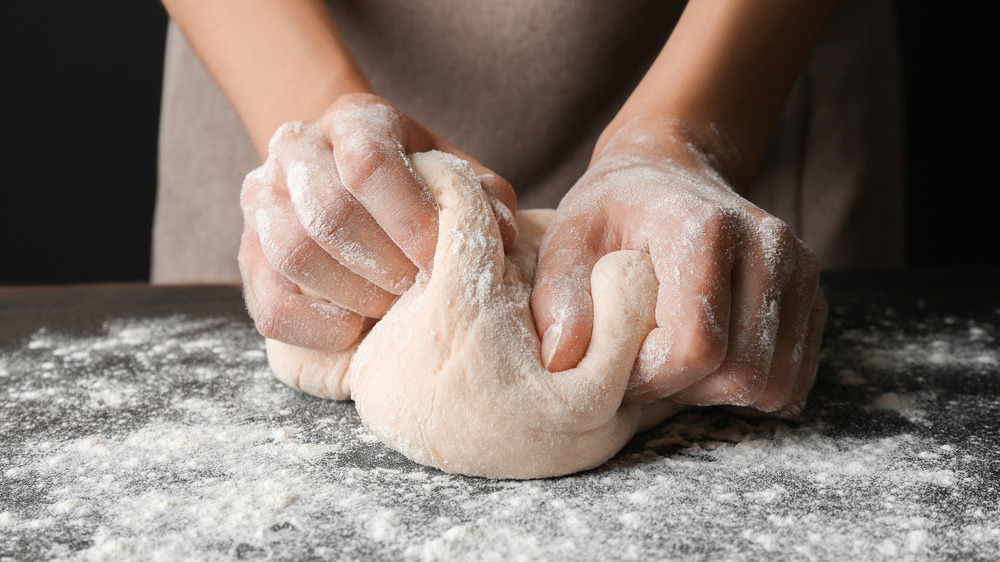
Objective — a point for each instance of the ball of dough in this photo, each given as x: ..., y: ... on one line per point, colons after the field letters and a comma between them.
x: 452, y: 376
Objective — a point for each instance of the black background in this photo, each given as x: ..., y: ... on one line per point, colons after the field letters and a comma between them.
x: 80, y: 106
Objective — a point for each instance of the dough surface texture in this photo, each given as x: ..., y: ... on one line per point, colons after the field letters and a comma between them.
x: 452, y: 376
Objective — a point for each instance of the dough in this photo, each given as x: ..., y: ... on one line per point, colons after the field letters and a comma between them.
x: 451, y: 377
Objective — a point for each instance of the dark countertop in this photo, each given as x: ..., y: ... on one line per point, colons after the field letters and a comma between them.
x: 141, y: 422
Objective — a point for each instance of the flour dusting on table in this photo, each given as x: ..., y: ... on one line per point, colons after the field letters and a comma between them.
x: 169, y: 439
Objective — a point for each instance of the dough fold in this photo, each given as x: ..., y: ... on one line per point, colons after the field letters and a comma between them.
x: 452, y: 377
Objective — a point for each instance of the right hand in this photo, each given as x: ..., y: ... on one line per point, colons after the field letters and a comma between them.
x: 337, y: 224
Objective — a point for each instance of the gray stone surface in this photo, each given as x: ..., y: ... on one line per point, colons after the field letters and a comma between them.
x: 142, y: 423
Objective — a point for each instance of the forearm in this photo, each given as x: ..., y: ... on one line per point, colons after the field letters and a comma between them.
x: 275, y: 61
x: 723, y: 75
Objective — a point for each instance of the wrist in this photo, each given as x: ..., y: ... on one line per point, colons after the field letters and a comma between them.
x: 721, y: 78
x: 315, y: 100
x: 689, y: 143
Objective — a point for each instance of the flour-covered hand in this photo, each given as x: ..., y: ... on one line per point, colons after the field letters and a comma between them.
x: 337, y: 223
x: 739, y: 312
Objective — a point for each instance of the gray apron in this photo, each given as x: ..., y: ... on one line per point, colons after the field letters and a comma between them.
x: 527, y: 87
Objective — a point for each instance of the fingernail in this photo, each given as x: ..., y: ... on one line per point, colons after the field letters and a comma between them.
x: 797, y: 407
x: 550, y: 342
x: 790, y: 410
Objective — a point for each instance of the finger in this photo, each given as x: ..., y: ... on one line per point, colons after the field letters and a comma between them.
x: 806, y: 376
x: 692, y: 317
x: 797, y: 302
x: 280, y: 312
x: 505, y: 222
x: 294, y: 254
x: 560, y: 301
x: 368, y: 147
x: 330, y: 215
x: 765, y: 267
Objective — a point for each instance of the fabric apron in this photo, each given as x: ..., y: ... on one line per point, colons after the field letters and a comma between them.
x: 527, y: 87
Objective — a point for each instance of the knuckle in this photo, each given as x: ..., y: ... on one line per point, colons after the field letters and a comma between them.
x: 715, y: 222
x: 756, y: 215
x: 745, y: 385
x: 253, y: 184
x: 702, y: 348
x: 288, y: 134
x: 361, y: 160
x: 288, y: 251
x: 366, y: 132
x: 291, y: 260
x: 332, y: 215
x: 303, y: 179
x: 776, y: 236
x: 356, y: 114
x: 777, y: 252
x: 778, y: 227
x: 347, y: 102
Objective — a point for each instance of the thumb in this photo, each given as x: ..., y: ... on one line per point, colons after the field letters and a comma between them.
x: 561, y: 302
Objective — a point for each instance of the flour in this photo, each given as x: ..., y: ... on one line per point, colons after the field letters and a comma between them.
x: 169, y: 439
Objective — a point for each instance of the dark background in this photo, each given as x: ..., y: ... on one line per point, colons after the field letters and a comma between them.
x: 80, y: 105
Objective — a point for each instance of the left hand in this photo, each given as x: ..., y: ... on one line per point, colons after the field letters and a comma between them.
x: 739, y: 311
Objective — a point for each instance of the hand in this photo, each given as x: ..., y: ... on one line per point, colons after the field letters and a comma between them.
x: 336, y: 222
x: 739, y: 313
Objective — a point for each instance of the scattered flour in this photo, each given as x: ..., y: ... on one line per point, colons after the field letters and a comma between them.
x: 169, y: 439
